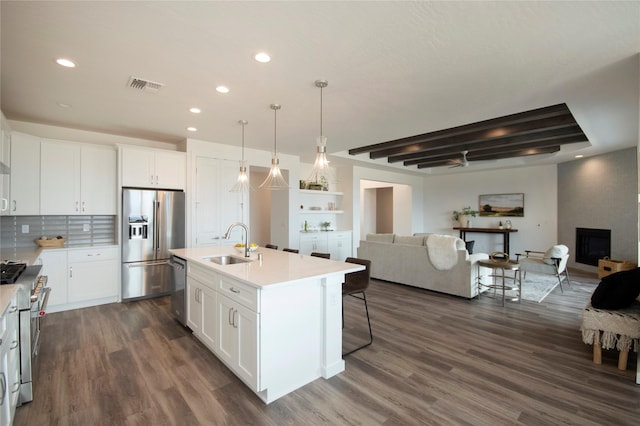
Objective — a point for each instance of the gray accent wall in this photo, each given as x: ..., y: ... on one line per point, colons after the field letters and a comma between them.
x: 600, y: 192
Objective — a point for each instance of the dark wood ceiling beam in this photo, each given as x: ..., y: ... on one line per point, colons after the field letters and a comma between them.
x: 493, y: 147
x: 521, y: 153
x: 509, y: 120
x: 528, y: 128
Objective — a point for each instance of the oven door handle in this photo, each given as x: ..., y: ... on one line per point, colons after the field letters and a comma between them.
x: 43, y: 307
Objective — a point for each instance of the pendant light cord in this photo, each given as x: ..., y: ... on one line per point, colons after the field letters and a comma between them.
x: 321, y: 110
x: 275, y: 130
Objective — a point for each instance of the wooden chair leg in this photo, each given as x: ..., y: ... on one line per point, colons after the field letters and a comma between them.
x: 622, y: 360
x: 597, y: 353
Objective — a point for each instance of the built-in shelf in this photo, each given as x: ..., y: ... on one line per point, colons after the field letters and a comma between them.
x: 321, y: 211
x: 315, y: 192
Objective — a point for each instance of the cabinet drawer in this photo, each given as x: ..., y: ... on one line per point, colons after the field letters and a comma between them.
x: 93, y: 254
x: 205, y: 276
x: 240, y: 292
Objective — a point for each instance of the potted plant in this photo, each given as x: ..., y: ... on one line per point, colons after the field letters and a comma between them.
x: 462, y: 216
x: 325, y: 225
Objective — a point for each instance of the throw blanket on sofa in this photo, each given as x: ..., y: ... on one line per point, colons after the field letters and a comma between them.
x: 442, y: 251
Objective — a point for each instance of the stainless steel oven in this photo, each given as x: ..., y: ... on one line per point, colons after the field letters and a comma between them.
x: 32, y: 303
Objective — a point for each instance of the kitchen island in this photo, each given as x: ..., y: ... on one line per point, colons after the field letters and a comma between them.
x: 276, y: 322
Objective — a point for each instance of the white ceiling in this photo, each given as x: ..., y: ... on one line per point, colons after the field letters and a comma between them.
x: 395, y: 69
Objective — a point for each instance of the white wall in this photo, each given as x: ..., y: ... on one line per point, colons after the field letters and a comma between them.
x: 537, y: 230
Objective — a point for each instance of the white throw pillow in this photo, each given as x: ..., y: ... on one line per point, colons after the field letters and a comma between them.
x: 556, y: 251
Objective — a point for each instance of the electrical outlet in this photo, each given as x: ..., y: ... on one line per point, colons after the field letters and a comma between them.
x: 86, y: 227
x: 25, y: 229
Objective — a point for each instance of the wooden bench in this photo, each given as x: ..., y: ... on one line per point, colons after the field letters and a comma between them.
x: 613, y: 329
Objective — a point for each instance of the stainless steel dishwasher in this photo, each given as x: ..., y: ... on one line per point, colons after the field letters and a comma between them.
x: 178, y: 281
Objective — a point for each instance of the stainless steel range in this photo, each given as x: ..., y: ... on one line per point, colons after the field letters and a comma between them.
x: 32, y: 303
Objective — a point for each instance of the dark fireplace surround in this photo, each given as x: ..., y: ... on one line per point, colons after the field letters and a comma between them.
x: 592, y: 244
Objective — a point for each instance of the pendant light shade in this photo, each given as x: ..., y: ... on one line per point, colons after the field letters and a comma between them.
x: 242, y: 184
x: 274, y: 179
x: 320, y: 173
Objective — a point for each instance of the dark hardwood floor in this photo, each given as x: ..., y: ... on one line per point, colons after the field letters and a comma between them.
x: 436, y: 359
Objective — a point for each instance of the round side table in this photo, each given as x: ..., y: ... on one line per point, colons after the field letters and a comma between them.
x: 501, y: 282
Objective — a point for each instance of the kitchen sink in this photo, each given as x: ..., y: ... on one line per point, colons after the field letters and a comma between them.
x: 228, y: 260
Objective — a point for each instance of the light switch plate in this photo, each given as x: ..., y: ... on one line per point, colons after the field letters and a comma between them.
x: 25, y: 229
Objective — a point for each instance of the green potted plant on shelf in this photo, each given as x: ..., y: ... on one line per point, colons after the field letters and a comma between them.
x: 463, y: 215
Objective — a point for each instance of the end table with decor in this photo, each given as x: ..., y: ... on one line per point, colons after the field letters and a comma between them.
x: 499, y: 263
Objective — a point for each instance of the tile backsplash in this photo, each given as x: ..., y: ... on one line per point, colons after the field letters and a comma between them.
x: 22, y: 231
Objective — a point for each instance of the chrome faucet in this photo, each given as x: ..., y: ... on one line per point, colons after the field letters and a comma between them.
x: 246, y: 236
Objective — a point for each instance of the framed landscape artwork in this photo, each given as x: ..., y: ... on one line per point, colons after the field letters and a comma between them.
x: 501, y: 205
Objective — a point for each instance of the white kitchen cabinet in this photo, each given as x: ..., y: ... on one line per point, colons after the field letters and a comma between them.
x: 201, y: 312
x: 9, y: 362
x: 238, y: 341
x: 92, y: 274
x: 54, y: 266
x: 313, y: 241
x: 77, y: 179
x: 25, y: 175
x: 339, y: 244
x: 5, y: 157
x: 80, y: 277
x: 153, y: 168
x: 216, y: 207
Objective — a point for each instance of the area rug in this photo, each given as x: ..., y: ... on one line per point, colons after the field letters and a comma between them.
x: 535, y: 287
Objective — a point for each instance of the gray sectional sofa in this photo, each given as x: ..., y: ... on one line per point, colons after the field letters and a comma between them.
x: 433, y: 262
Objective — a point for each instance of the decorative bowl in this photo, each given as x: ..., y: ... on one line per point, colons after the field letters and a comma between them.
x: 240, y: 249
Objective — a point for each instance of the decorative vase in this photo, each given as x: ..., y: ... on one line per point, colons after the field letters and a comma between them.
x: 507, y: 224
x: 464, y: 220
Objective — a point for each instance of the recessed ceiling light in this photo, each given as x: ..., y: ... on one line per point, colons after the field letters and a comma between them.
x: 262, y: 57
x: 579, y: 156
x: 63, y: 105
x: 192, y: 129
x: 195, y: 110
x: 65, y: 62
x: 222, y: 89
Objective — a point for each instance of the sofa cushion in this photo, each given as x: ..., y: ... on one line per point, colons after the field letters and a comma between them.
x: 380, y: 238
x: 557, y: 251
x: 404, y: 239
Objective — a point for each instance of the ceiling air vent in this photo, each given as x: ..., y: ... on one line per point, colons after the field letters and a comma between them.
x: 144, y: 85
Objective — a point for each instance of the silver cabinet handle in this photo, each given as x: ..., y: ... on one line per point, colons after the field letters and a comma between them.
x: 17, y: 387
x: 14, y: 345
x: 235, y: 315
x: 233, y: 290
x: 3, y: 386
x: 70, y: 271
x: 13, y: 309
x: 229, y: 316
x: 15, y: 205
x: 5, y: 205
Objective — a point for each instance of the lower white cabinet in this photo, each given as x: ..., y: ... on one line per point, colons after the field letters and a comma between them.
x: 80, y: 277
x: 201, y: 312
x: 9, y: 362
x: 336, y: 243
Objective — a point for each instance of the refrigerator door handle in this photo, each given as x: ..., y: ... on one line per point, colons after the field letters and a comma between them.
x: 156, y: 231
x: 144, y: 264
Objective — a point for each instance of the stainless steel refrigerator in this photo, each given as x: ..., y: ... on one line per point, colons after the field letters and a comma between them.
x: 152, y: 223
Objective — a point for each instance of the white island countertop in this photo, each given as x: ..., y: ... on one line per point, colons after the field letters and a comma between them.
x: 276, y: 267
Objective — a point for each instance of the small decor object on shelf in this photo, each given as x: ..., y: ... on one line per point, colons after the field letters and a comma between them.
x: 51, y: 242
x: 500, y: 225
x: 324, y: 182
x: 315, y: 186
x: 325, y: 226
x: 303, y: 184
x: 507, y: 224
x: 463, y: 216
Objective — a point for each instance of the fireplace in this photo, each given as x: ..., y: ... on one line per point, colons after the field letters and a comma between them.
x: 592, y: 244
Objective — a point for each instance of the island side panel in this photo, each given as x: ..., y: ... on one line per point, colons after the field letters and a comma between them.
x: 332, y: 338
x: 291, y: 323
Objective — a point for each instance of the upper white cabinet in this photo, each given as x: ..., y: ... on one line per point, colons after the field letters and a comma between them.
x: 25, y: 175
x: 5, y: 157
x: 77, y: 179
x: 216, y: 207
x: 153, y: 168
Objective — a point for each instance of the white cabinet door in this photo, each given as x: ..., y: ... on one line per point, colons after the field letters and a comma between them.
x: 5, y: 157
x: 25, y: 174
x: 209, y: 318
x: 92, y: 274
x: 339, y: 245
x: 238, y: 339
x: 98, y: 180
x: 9, y: 362
x: 60, y: 178
x: 170, y: 169
x: 215, y: 206
x: 54, y: 266
x: 150, y: 168
x: 313, y: 242
x: 194, y: 305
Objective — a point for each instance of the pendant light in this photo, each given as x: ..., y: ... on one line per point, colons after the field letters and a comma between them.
x: 242, y: 184
x: 320, y: 171
x: 274, y: 179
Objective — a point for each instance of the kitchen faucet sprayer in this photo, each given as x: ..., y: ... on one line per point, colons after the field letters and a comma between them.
x: 246, y: 236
